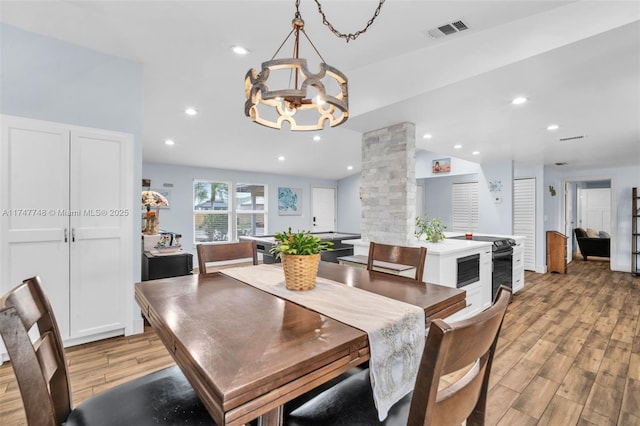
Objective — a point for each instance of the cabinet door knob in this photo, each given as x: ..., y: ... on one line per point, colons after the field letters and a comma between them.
x: 73, y: 235
x: 66, y: 236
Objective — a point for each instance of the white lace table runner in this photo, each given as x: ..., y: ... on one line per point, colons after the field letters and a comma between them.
x: 395, y: 329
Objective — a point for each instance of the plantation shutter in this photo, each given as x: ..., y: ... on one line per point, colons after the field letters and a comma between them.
x: 464, y: 207
x: 524, y: 218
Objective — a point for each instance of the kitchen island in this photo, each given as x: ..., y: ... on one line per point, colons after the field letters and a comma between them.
x: 461, y: 263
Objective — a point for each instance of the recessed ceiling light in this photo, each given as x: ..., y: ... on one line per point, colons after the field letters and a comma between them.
x: 476, y: 152
x: 457, y: 146
x: 281, y: 158
x: 427, y: 136
x: 349, y: 167
x: 519, y: 100
x: 316, y: 138
x: 191, y: 111
x: 239, y: 50
x: 553, y: 127
x: 169, y: 142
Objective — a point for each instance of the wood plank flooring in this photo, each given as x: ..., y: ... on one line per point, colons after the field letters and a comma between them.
x: 569, y: 354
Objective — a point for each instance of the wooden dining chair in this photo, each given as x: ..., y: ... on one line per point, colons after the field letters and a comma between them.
x: 40, y: 367
x: 466, y: 347
x: 224, y: 252
x: 399, y: 255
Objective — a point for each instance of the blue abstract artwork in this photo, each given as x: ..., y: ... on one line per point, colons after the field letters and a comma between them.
x: 289, y: 201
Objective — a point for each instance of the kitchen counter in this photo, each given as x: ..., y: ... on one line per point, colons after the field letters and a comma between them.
x: 441, y: 248
x: 441, y: 267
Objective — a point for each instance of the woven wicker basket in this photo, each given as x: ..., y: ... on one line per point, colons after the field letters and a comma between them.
x: 300, y: 271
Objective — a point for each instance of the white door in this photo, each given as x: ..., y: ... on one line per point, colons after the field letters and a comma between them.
x: 34, y: 229
x: 524, y: 218
x: 100, y: 232
x: 594, y: 209
x: 323, y: 209
x: 569, y: 223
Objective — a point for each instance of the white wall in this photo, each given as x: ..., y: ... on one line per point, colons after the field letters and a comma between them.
x: 424, y: 163
x: 48, y: 79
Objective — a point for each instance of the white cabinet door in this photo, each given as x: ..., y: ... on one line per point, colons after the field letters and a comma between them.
x: 101, y: 231
x: 65, y: 214
x: 34, y: 200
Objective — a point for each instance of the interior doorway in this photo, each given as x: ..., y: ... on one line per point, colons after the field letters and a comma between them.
x: 588, y: 203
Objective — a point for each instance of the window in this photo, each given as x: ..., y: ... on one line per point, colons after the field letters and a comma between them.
x: 250, y: 209
x: 217, y: 217
x: 211, y: 211
x: 464, y: 207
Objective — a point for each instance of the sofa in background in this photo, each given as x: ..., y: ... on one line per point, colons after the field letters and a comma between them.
x: 593, y: 243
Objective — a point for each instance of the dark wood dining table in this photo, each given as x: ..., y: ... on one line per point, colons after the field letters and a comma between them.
x: 247, y: 352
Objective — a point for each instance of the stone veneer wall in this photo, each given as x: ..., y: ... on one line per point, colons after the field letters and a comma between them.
x: 389, y: 184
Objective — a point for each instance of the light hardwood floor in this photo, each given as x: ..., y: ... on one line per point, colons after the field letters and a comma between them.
x: 569, y: 354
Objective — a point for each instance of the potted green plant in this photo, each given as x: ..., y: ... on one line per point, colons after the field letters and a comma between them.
x: 433, y: 229
x: 300, y: 254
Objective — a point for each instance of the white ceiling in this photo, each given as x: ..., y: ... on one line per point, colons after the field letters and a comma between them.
x: 577, y: 62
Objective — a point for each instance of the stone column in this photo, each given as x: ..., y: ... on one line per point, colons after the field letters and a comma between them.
x: 389, y: 184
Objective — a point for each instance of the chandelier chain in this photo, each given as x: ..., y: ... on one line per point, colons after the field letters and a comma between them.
x: 350, y: 36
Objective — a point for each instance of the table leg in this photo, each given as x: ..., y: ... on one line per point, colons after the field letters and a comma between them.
x: 274, y: 417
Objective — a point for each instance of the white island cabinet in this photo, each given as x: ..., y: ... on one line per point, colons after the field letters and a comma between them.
x: 441, y: 267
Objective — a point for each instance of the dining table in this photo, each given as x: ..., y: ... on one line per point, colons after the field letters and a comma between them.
x: 247, y: 352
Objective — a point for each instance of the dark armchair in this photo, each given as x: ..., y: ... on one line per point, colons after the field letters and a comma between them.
x: 592, y: 246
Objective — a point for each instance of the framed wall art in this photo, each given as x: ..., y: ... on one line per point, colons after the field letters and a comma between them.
x: 289, y: 201
x: 441, y: 165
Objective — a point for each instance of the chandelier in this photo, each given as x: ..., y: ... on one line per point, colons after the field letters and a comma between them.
x: 309, y: 101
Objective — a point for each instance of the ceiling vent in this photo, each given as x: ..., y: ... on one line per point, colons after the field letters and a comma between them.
x: 572, y: 138
x: 447, y: 29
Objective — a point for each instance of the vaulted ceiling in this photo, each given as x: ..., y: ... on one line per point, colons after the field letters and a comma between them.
x: 577, y: 62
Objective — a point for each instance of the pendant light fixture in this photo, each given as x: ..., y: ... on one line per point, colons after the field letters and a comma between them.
x: 309, y: 101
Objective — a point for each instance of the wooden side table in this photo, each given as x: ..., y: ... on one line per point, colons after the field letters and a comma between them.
x: 556, y: 252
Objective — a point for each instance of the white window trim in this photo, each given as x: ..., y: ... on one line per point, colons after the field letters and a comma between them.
x: 264, y: 211
x: 232, y: 212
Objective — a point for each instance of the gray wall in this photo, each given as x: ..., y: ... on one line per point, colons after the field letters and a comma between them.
x: 48, y: 79
x: 622, y: 180
x: 179, y: 216
x: 349, y: 204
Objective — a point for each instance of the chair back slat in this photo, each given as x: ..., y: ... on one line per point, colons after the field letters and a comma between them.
x: 468, y: 344
x: 28, y: 305
x: 47, y: 355
x: 225, y: 252
x: 400, y: 255
x: 39, y: 366
x: 472, y: 340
